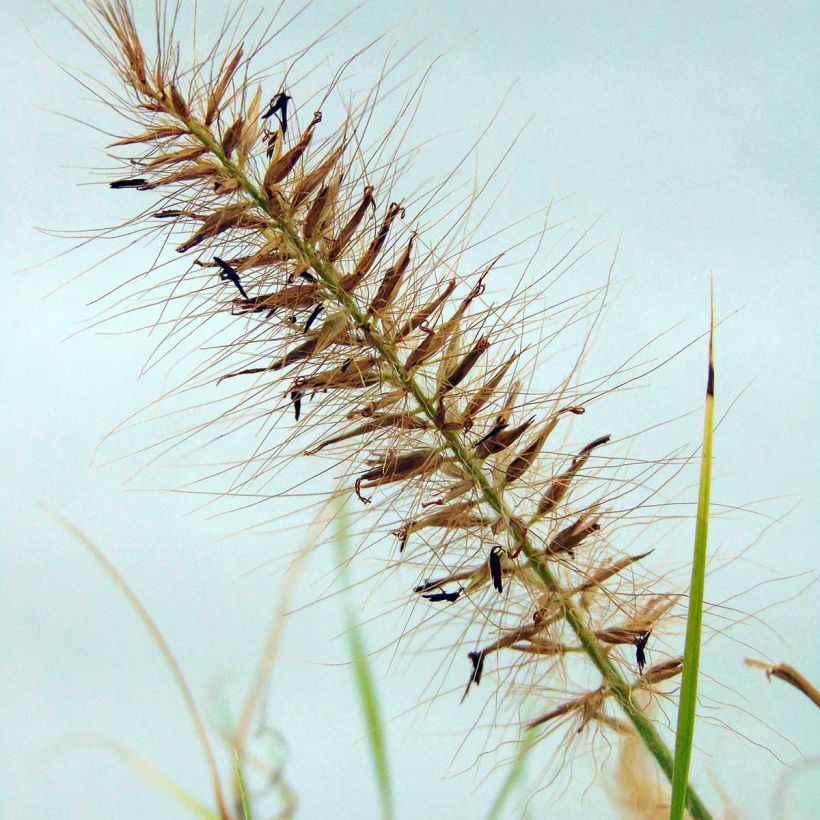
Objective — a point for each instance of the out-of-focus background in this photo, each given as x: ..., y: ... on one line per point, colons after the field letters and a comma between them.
x: 691, y: 129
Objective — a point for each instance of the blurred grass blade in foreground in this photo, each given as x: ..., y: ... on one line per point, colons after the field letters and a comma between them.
x: 365, y: 686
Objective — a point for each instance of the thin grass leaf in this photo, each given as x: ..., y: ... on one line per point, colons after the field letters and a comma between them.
x: 240, y: 782
x: 691, y: 658
x: 157, y: 779
x: 514, y: 774
x: 165, y: 650
x: 368, y: 696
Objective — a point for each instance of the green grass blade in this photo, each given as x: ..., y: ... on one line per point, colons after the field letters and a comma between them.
x: 514, y: 774
x: 240, y: 781
x: 366, y: 688
x: 689, y: 683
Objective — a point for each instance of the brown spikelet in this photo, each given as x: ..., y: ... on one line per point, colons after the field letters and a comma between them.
x: 607, y: 572
x: 391, y: 282
x: 231, y: 138
x: 290, y: 296
x: 559, y: 487
x: 339, y: 244
x: 353, y: 375
x: 455, y: 516
x: 280, y: 167
x: 311, y: 180
x: 486, y: 392
x: 199, y: 171
x: 367, y: 260
x: 399, y: 467
x: 183, y: 155
x: 788, y: 674
x: 178, y: 102
x: 420, y: 318
x: 377, y: 422
x: 225, y: 76
x: 320, y: 209
x: 234, y: 216
x: 152, y: 135
x: 460, y: 371
x: 524, y: 460
x: 499, y: 438
x: 663, y: 671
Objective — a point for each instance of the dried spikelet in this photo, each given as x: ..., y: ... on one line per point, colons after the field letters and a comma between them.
x: 311, y: 180
x: 513, y: 636
x: 663, y: 671
x: 183, y: 155
x: 391, y: 282
x: 321, y: 208
x: 567, y: 539
x: 291, y: 297
x: 226, y: 185
x: 401, y: 421
x: 559, y: 487
x: 486, y: 392
x: 340, y: 243
x: 353, y: 375
x: 462, y: 369
x: 607, y: 572
x: 399, y: 467
x: 455, y: 517
x: 499, y: 438
x: 524, y: 460
x: 231, y: 138
x: 225, y: 76
x: 197, y: 171
x: 587, y: 705
x: 249, y: 134
x: 788, y: 674
x: 280, y: 167
x: 152, y: 135
x: 420, y: 318
x: 368, y: 259
x: 234, y: 216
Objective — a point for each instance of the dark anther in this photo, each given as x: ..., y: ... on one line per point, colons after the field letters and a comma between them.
x: 230, y: 275
x: 270, y: 142
x: 279, y: 106
x: 427, y: 585
x: 477, y: 659
x: 443, y: 595
x: 640, y: 647
x: 296, y: 398
x: 494, y: 432
x: 127, y: 183
x: 495, y: 567
x: 309, y: 276
x: 312, y: 318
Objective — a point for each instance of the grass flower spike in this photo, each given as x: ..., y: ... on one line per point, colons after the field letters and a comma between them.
x: 359, y: 336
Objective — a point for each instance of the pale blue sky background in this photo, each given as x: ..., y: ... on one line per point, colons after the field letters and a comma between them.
x: 691, y: 127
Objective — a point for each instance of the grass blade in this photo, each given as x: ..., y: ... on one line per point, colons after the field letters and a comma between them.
x: 689, y: 683
x: 155, y: 777
x: 240, y: 782
x: 368, y: 696
x: 161, y: 644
